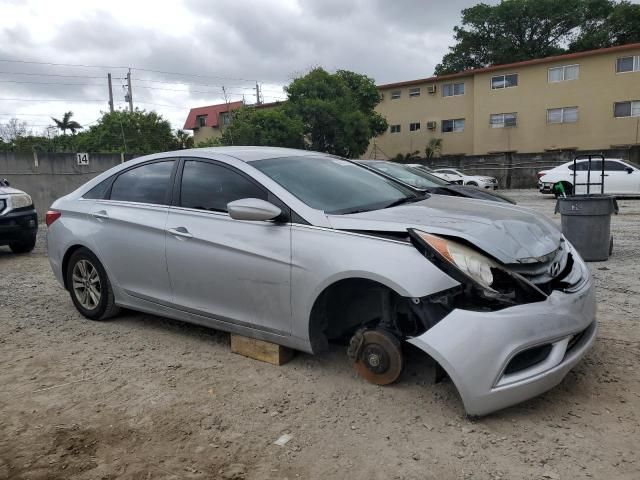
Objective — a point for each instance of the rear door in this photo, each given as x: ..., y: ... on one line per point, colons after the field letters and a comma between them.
x: 232, y: 270
x: 129, y: 229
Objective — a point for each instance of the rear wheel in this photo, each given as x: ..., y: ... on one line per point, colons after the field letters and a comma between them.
x: 472, y: 184
x: 89, y: 286
x: 24, y: 246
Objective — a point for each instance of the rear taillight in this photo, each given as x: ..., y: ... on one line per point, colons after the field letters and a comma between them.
x: 51, y: 217
x: 540, y: 175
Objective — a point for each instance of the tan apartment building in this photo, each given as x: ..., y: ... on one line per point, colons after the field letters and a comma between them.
x: 585, y: 100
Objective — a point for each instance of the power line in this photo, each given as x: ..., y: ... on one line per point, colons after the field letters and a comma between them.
x: 50, y: 83
x: 252, y: 88
x: 190, y: 74
x: 58, y: 64
x: 75, y: 65
x: 50, y: 75
x: 48, y: 100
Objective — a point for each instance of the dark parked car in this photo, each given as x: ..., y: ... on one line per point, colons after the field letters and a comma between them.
x: 18, y: 219
x: 423, y: 180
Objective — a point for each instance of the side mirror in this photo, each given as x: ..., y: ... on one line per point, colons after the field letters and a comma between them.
x: 629, y: 170
x: 252, y: 209
x: 5, y: 181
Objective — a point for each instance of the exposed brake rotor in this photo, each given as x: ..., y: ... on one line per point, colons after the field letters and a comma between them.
x: 377, y: 356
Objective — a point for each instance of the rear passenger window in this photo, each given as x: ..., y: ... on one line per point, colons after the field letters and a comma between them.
x: 207, y: 186
x: 584, y: 166
x: 150, y: 183
x: 614, y: 166
x: 98, y: 191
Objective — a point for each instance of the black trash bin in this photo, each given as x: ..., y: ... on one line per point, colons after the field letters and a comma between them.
x: 586, y: 219
x: 586, y: 222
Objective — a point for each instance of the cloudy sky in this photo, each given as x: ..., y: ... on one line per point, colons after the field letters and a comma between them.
x: 55, y: 55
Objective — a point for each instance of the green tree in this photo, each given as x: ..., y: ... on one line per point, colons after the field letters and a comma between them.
x: 516, y: 30
x: 182, y: 140
x: 273, y: 127
x: 210, y: 142
x: 67, y: 124
x: 336, y: 111
x: 434, y: 148
x: 133, y: 132
x: 406, y: 157
x: 613, y: 24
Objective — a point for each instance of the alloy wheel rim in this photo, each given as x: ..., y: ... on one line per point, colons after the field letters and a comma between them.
x: 86, y: 284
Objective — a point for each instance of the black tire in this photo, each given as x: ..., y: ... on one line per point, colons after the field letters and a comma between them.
x: 25, y: 246
x: 472, y: 184
x: 102, y: 308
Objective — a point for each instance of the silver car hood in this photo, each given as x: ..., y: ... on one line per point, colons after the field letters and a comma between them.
x: 509, y: 233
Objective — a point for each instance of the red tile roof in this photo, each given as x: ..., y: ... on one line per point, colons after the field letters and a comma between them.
x: 535, y: 61
x: 212, y: 112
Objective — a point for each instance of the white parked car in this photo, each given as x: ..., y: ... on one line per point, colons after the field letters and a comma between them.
x: 471, y: 180
x: 620, y: 178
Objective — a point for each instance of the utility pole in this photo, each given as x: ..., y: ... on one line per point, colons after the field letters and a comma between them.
x: 129, y: 95
x: 258, y: 95
x: 110, y: 93
x: 226, y: 100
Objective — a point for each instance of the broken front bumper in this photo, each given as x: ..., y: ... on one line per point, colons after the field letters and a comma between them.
x: 497, y: 359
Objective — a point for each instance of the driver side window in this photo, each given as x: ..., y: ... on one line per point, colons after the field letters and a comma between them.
x: 208, y: 186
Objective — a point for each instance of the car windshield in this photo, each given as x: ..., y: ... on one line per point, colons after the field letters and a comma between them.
x: 413, y: 176
x: 334, y: 185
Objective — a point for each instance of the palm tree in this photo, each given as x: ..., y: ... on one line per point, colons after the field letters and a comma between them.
x: 183, y: 139
x: 406, y: 157
x: 434, y: 147
x: 67, y: 124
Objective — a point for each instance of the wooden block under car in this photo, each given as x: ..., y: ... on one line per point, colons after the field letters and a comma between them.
x: 260, y: 350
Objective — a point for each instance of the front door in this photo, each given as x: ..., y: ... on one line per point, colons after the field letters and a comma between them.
x: 232, y: 270
x: 618, y: 180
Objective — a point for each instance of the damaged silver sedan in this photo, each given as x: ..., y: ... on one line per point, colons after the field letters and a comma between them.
x: 301, y: 249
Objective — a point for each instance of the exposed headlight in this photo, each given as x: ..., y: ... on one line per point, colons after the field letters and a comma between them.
x: 20, y: 200
x: 470, y: 262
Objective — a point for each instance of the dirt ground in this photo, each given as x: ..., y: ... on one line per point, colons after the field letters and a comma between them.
x: 142, y: 397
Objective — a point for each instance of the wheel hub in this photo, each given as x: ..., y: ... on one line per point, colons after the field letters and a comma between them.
x: 377, y: 356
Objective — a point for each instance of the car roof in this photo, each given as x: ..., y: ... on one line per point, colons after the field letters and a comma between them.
x: 250, y: 154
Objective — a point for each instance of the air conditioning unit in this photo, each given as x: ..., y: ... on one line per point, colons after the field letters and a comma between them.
x: 431, y: 89
x: 510, y: 122
x: 431, y: 125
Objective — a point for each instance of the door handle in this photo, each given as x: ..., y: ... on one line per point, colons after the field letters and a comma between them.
x: 180, y: 232
x: 101, y: 215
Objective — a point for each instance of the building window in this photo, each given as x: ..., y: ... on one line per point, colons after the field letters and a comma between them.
x: 414, y: 127
x: 562, y: 115
x: 501, y: 120
x: 395, y: 94
x: 394, y: 128
x: 225, y: 118
x: 455, y: 125
x: 564, y: 73
x: 628, y: 64
x: 504, y: 81
x: 201, y: 120
x: 414, y: 92
x: 626, y: 109
x: 452, y: 89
